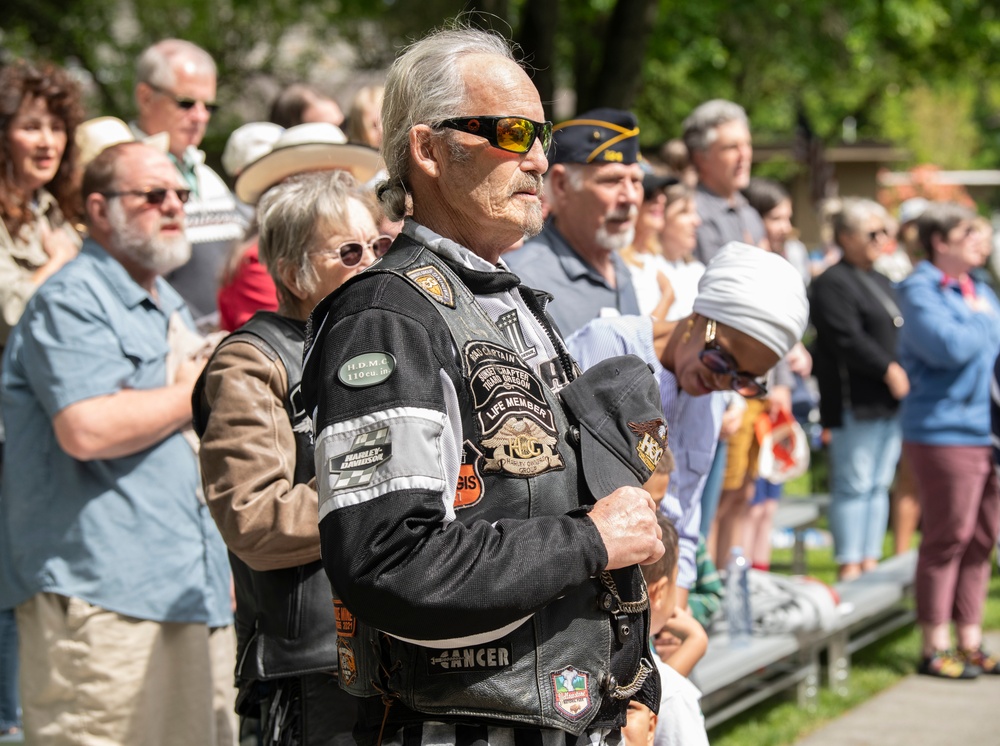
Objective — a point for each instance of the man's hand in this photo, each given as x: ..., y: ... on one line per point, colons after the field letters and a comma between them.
x: 626, y: 520
x: 188, y: 371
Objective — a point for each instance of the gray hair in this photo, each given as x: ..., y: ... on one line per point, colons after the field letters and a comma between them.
x: 940, y: 219
x: 294, y: 215
x: 156, y: 65
x: 853, y: 213
x: 701, y: 124
x: 425, y: 86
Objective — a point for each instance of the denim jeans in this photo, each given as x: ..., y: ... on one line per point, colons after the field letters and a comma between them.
x: 863, y: 457
x: 9, y: 700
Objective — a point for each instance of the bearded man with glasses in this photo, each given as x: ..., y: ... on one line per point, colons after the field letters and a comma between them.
x: 481, y: 514
x: 175, y: 96
x: 117, y: 572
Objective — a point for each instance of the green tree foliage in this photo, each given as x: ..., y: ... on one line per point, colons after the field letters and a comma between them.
x: 789, y: 62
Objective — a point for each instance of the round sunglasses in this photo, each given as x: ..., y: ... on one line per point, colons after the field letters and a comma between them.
x: 722, y: 363
x: 513, y: 134
x: 350, y: 252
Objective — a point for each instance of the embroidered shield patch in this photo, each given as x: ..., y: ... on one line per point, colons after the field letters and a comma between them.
x: 434, y: 284
x: 357, y: 467
x: 569, y: 692
x: 652, y: 441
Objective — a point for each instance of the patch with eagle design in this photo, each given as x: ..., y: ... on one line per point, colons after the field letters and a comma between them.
x: 517, y: 426
x: 652, y: 441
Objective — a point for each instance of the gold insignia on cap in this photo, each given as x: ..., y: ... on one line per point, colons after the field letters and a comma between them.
x: 624, y: 133
x: 432, y: 282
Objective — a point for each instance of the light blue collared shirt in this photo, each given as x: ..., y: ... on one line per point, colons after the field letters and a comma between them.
x: 693, y: 424
x: 127, y: 534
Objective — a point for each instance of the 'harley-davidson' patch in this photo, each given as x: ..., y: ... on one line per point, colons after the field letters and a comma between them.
x: 346, y: 662
x: 652, y: 441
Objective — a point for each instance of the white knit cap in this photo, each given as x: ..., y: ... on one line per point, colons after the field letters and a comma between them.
x: 756, y: 292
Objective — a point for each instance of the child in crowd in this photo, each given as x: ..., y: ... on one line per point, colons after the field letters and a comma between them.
x: 680, y: 721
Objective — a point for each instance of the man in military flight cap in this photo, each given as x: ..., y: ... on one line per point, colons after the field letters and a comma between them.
x: 594, y: 186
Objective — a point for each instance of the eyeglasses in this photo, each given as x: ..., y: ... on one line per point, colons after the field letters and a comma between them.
x: 351, y: 251
x: 513, y: 134
x: 875, y: 235
x: 722, y: 363
x: 185, y: 103
x: 156, y: 196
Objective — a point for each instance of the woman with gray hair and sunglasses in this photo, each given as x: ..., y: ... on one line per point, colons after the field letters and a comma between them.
x: 316, y: 232
x: 860, y: 383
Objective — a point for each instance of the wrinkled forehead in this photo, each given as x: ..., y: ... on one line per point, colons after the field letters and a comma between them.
x: 496, y: 86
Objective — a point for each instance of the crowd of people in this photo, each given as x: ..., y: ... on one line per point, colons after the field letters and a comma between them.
x: 494, y: 386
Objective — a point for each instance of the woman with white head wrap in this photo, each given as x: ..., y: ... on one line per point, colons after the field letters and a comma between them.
x: 750, y: 311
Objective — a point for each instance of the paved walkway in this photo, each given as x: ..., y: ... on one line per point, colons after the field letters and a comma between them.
x: 922, y: 711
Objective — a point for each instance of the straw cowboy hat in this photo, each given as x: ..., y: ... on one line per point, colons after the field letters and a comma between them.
x: 315, y: 146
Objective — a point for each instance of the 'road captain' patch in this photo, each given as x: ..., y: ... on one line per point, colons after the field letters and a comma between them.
x: 357, y: 467
x: 486, y: 658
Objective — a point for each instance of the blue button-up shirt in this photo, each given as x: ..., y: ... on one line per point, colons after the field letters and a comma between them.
x: 546, y: 262
x: 693, y: 424
x: 127, y: 534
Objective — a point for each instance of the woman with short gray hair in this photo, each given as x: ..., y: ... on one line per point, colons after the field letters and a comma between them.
x: 257, y: 463
x: 861, y: 384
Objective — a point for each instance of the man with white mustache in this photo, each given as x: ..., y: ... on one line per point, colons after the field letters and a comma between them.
x: 117, y: 573
x: 594, y: 189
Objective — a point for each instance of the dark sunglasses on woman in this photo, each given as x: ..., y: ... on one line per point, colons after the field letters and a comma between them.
x: 722, y: 363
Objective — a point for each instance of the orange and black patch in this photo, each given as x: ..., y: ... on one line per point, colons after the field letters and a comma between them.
x: 469, y: 490
x: 346, y: 623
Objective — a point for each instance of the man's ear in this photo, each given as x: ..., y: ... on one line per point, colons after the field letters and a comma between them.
x: 96, y: 208
x: 143, y: 94
x: 426, y: 150
x: 658, y: 590
x: 939, y: 243
x: 556, y: 181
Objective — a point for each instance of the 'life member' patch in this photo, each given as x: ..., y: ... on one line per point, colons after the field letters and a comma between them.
x: 469, y: 490
x: 570, y: 694
x: 432, y: 282
x: 516, y: 424
x: 367, y: 369
x: 652, y: 441
x: 356, y: 467
x: 488, y: 658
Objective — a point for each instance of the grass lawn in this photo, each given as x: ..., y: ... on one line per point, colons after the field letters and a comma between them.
x: 779, y: 721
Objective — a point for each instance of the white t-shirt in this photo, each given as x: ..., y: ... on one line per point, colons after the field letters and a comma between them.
x: 680, y: 722
x: 683, y: 276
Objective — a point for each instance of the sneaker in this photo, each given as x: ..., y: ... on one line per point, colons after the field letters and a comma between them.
x: 944, y: 664
x: 980, y: 658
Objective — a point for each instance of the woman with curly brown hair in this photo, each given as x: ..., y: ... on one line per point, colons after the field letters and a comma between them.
x: 39, y: 112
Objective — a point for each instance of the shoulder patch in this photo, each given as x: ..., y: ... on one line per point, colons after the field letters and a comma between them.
x: 368, y: 369
x: 357, y: 466
x: 433, y: 283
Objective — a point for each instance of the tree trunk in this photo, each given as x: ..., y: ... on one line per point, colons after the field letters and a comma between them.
x: 617, y: 81
x: 537, y: 39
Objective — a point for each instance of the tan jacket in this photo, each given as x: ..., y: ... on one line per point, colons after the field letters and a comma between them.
x: 248, y: 463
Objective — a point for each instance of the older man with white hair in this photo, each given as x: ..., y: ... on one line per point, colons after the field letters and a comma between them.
x: 117, y: 572
x: 717, y: 136
x: 175, y: 94
x: 481, y: 518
